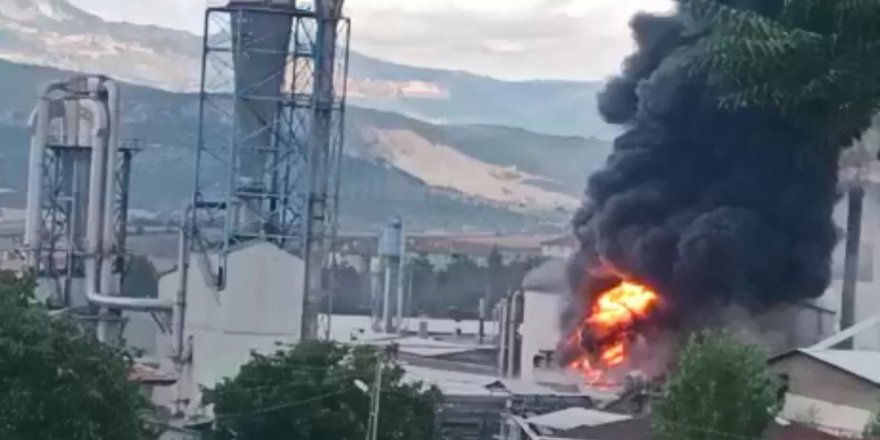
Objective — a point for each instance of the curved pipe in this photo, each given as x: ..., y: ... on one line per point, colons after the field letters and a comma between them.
x: 93, y: 233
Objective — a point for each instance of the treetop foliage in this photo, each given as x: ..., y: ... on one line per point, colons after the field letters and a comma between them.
x: 814, y: 60
x: 310, y: 392
x: 721, y: 387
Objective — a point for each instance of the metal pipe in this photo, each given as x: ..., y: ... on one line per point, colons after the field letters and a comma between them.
x: 399, y: 288
x: 183, y: 280
x: 847, y: 334
x: 512, y: 333
x: 386, y: 297
x: 93, y: 219
x: 851, y: 261
x: 93, y: 242
x: 109, y: 143
x: 328, y: 13
x: 39, y: 123
x: 502, y: 340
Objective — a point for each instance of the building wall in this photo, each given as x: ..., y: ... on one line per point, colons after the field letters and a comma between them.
x: 814, y: 379
x: 540, y: 329
x: 260, y: 310
x: 867, y: 299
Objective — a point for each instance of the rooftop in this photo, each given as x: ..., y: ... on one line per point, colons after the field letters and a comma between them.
x: 571, y: 418
x: 861, y: 363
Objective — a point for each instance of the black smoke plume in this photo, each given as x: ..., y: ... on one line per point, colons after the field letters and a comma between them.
x: 706, y: 205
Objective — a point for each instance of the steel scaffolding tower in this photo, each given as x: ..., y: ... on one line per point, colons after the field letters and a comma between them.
x: 272, y: 103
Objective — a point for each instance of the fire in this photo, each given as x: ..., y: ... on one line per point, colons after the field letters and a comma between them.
x: 605, y: 336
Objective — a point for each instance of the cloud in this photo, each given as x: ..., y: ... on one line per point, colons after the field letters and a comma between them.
x: 514, y: 39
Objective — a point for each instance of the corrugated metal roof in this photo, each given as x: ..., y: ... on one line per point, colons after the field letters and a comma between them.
x: 858, y: 362
x: 571, y: 418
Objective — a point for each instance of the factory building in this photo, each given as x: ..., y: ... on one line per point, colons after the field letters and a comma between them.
x: 259, y: 310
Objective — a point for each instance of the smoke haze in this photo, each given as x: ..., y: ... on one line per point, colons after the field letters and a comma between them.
x: 709, y: 207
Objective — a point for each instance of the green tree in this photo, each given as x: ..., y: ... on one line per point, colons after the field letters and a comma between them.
x: 721, y: 388
x: 56, y: 381
x: 309, y: 392
x: 814, y: 60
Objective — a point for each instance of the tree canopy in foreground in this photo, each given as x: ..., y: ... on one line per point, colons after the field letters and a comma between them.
x: 310, y: 392
x: 57, y: 381
x: 721, y: 389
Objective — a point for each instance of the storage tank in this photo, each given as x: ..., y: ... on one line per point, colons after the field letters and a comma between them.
x: 391, y: 244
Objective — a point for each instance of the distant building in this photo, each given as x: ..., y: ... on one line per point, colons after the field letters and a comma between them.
x: 442, y: 250
x: 562, y: 247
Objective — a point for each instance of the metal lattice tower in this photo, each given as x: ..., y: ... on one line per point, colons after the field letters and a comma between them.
x: 270, y: 130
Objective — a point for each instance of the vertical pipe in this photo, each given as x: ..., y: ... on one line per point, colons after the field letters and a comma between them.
x: 183, y: 278
x: 40, y: 127
x: 109, y: 245
x: 328, y: 12
x: 387, y: 324
x: 502, y: 338
x: 409, y: 289
x: 93, y: 229
x: 399, y: 288
x: 512, y: 333
x: 851, y: 262
x: 482, y: 316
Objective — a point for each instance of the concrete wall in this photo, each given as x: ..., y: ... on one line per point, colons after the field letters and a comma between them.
x: 260, y: 310
x: 811, y: 378
x: 540, y: 329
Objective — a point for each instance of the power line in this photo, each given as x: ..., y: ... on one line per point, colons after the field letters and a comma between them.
x: 273, y: 408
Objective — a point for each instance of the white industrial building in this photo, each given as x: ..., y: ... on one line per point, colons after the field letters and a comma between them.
x: 259, y: 310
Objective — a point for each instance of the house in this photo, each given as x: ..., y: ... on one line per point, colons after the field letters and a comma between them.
x: 836, y: 391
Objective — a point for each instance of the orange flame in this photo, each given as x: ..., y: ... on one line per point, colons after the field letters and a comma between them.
x: 610, y: 327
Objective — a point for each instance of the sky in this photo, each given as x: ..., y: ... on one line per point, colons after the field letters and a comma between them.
x: 509, y: 39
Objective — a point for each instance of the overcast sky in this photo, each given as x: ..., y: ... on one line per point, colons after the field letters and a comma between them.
x: 513, y: 39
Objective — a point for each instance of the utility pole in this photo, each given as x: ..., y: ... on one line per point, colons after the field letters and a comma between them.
x: 373, y: 422
x: 375, y: 397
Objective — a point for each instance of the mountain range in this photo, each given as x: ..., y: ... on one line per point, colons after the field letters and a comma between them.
x: 54, y: 33
x: 460, y: 150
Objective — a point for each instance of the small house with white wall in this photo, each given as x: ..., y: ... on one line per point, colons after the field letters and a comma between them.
x: 835, y: 390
